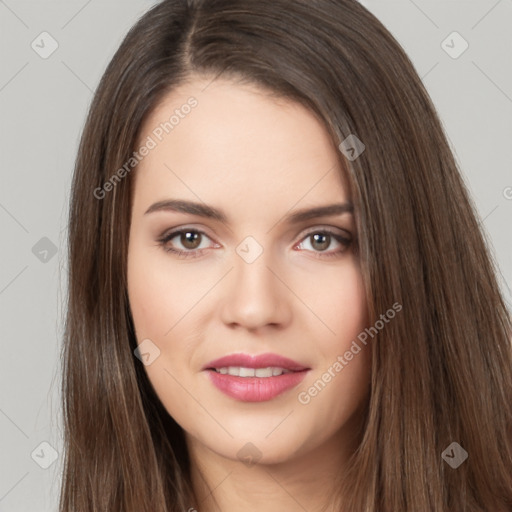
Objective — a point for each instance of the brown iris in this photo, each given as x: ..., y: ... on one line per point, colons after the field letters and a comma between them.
x: 321, y: 240
x: 190, y: 239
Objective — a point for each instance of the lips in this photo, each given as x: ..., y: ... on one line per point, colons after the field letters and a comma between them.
x: 258, y: 361
x: 249, y: 379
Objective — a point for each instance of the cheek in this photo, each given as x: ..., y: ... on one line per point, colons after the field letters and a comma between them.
x: 341, y: 380
x: 162, y: 307
x: 342, y: 308
x: 158, y: 298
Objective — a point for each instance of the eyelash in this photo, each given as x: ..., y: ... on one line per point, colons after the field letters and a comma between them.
x: 195, y: 253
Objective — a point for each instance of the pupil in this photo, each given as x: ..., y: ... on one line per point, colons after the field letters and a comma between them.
x: 189, y: 238
x: 322, y: 245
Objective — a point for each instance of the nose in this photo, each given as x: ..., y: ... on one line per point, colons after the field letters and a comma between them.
x: 255, y: 296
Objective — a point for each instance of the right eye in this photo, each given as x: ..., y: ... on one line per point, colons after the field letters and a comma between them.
x: 190, y: 240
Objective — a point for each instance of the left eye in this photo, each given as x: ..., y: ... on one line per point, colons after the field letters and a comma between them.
x: 321, y: 240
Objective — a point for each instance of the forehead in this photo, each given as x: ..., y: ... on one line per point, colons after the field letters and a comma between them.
x: 221, y: 141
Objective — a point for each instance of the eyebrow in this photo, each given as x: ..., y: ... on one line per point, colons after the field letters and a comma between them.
x: 203, y: 210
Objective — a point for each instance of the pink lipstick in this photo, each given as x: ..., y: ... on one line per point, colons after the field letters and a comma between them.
x: 255, y: 378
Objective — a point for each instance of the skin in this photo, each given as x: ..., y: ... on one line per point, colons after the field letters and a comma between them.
x: 258, y: 159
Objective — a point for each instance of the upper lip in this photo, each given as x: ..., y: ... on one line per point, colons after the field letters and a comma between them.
x: 256, y: 361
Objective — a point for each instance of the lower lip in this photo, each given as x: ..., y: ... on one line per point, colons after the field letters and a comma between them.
x: 255, y: 389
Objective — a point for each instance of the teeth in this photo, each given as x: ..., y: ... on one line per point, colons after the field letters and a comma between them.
x: 244, y: 372
x: 265, y: 372
x: 240, y: 371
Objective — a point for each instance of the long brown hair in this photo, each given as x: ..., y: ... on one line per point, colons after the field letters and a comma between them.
x: 441, y: 371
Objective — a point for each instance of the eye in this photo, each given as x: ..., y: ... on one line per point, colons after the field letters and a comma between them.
x: 321, y: 239
x: 190, y: 239
x: 193, y: 244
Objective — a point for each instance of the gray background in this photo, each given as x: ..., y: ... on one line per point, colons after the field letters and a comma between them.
x: 43, y: 102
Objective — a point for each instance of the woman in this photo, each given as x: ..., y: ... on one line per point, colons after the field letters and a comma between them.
x: 279, y: 293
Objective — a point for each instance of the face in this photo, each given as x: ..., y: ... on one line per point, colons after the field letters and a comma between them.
x: 225, y: 261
